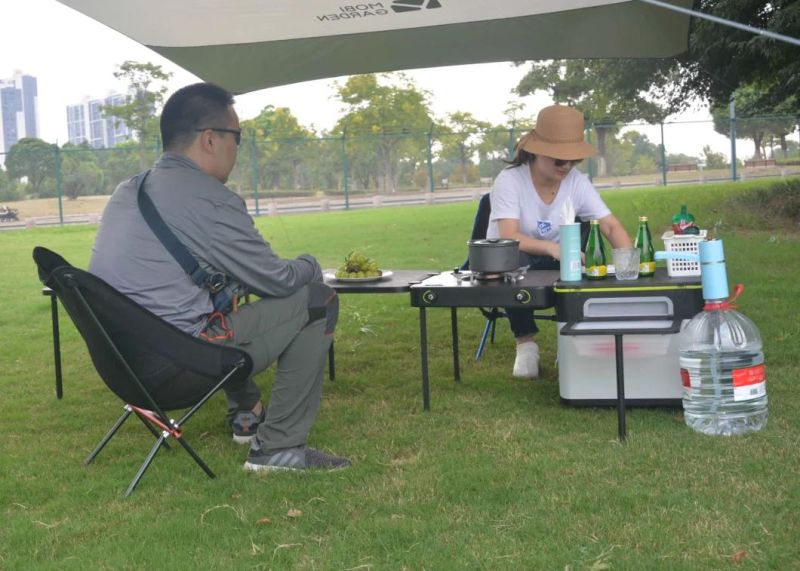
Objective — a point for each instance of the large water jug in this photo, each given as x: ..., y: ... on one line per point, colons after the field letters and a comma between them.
x: 721, y: 357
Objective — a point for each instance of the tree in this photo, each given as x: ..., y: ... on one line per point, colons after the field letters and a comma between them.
x: 714, y: 160
x: 633, y: 153
x: 461, y: 138
x: 753, y: 105
x: 721, y: 58
x: 280, y: 147
x: 604, y: 90
x: 118, y: 164
x: 34, y: 159
x: 81, y: 174
x: 146, y: 91
x: 783, y: 123
x: 9, y: 190
x: 387, y: 122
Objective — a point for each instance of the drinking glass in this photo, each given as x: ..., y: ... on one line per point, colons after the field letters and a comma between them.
x: 626, y: 263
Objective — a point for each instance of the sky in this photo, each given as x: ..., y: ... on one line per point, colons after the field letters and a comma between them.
x: 73, y: 56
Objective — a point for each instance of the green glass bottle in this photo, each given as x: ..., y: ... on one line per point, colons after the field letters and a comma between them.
x: 596, y: 268
x: 647, y: 255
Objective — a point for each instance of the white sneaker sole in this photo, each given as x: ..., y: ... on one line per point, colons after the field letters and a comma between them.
x: 267, y: 468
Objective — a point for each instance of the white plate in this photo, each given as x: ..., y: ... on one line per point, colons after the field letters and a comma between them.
x: 385, y: 274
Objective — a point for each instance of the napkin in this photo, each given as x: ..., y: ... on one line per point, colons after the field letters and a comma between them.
x: 567, y: 212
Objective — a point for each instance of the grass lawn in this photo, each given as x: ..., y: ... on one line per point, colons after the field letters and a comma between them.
x: 499, y: 475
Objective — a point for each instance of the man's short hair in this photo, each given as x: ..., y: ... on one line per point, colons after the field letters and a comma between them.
x: 196, y: 106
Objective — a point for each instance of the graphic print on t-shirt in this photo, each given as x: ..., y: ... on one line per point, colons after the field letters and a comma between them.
x: 544, y: 227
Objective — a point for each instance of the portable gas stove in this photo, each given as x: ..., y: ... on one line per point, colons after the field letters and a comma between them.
x: 519, y: 288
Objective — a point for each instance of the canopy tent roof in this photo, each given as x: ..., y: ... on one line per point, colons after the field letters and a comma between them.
x: 245, y: 45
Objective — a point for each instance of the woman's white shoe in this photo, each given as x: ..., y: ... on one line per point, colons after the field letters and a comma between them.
x: 526, y: 365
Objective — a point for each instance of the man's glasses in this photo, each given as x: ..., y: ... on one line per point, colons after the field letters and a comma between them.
x: 563, y: 162
x: 237, y: 133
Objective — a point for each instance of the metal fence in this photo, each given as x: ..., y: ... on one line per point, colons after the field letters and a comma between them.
x: 355, y: 165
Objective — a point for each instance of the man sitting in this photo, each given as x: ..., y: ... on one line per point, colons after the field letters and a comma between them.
x: 292, y: 323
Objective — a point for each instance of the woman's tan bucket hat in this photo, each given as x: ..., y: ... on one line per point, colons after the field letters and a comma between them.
x: 558, y: 134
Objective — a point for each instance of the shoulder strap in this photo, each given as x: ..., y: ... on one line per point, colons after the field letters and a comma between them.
x: 213, y: 282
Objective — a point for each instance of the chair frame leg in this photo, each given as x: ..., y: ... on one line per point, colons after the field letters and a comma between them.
x: 147, y: 461
x: 108, y: 436
x: 153, y: 430
x: 162, y: 442
x: 489, y: 325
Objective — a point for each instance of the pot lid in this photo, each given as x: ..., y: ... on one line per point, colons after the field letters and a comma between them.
x: 494, y: 242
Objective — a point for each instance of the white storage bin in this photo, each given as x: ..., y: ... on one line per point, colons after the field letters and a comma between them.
x: 688, y: 243
x: 588, y: 375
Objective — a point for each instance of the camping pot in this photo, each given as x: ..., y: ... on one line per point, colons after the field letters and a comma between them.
x: 493, y: 255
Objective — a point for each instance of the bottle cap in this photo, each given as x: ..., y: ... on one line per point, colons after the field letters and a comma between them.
x: 712, y: 270
x: 642, y: 218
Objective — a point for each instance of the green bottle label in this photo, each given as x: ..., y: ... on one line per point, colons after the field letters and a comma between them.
x: 597, y: 271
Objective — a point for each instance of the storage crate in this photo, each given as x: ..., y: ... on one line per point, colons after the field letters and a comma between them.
x: 688, y: 243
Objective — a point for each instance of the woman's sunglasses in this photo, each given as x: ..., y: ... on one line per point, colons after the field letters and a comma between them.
x: 562, y: 162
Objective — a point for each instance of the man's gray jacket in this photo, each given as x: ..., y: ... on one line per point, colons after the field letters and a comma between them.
x: 211, y: 221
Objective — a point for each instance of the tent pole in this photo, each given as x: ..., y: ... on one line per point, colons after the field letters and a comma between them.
x: 723, y: 21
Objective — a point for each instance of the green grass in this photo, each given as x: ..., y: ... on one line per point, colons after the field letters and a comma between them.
x: 499, y: 475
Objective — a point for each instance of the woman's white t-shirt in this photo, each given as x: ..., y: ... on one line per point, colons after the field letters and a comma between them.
x: 514, y: 196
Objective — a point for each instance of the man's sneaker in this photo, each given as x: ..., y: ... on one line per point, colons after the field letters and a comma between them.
x: 319, y: 459
x: 244, y: 424
x: 526, y: 365
x: 300, y: 458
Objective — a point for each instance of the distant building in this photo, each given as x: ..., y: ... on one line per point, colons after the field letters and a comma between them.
x: 86, y: 123
x: 19, y: 110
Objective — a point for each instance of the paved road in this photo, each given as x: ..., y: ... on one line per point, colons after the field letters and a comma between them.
x: 274, y: 207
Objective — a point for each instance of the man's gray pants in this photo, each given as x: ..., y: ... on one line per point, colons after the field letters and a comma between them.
x: 296, y: 331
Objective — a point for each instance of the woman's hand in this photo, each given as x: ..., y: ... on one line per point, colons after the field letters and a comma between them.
x: 554, y: 250
x: 509, y: 228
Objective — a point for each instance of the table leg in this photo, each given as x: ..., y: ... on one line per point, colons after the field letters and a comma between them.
x: 423, y: 351
x: 454, y: 325
x: 620, y: 387
x: 331, y: 363
x: 56, y: 345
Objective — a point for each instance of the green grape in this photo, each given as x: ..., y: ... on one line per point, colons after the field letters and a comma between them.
x: 357, y: 264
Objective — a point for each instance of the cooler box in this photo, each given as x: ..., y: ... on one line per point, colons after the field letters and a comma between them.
x: 586, y: 363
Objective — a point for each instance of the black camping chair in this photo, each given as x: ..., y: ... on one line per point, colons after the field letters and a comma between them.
x: 149, y: 364
x: 479, y: 229
x: 492, y: 314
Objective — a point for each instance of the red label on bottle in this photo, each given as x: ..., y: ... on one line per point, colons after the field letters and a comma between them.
x: 749, y: 383
x: 685, y: 379
x: 748, y: 376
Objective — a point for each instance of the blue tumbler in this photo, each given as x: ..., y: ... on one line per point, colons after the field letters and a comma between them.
x: 570, y: 246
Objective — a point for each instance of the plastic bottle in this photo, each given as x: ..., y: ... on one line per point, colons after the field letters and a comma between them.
x: 682, y: 221
x: 722, y: 358
x: 644, y: 243
x: 596, y: 265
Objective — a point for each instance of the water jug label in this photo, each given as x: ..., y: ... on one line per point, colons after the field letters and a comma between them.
x: 749, y: 383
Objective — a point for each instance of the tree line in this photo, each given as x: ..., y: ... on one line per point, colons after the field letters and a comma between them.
x: 387, y: 137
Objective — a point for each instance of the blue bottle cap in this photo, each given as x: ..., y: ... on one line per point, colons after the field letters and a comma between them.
x: 713, y: 273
